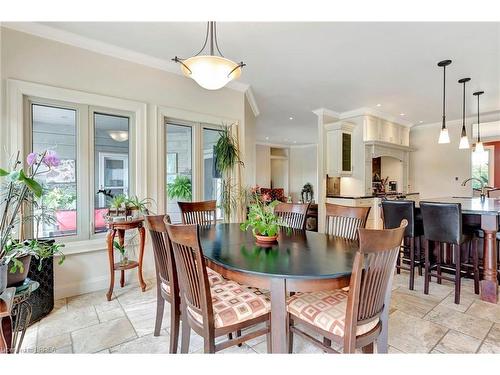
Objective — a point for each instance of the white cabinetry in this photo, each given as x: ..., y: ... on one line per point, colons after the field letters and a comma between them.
x: 377, y: 129
x: 339, y: 148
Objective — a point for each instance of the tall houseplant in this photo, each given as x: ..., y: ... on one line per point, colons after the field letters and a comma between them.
x: 227, y: 156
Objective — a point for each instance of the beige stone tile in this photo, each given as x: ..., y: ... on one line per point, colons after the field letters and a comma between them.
x: 413, y: 335
x: 64, y: 322
x: 29, y: 344
x: 135, y: 295
x: 142, y: 316
x: 437, y: 292
x: 456, y: 342
x: 485, y: 310
x: 467, y: 324
x: 148, y: 344
x: 55, y: 342
x: 466, y: 300
x: 88, y: 299
x: 101, y: 336
x: 489, y: 347
x: 109, y: 311
x: 411, y: 304
x: 105, y: 351
x: 60, y: 304
x: 393, y: 350
x: 64, y: 350
x: 494, y: 334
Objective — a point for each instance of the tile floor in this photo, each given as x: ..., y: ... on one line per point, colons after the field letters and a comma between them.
x: 417, y: 324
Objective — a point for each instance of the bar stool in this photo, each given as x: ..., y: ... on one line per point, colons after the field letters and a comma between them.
x: 443, y: 224
x: 394, y: 212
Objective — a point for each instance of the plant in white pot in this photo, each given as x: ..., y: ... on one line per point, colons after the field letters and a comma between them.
x: 19, y: 190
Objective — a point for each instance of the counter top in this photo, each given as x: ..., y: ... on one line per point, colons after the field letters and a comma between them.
x: 369, y: 196
x: 473, y: 205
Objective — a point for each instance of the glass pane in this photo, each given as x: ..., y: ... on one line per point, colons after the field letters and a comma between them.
x: 55, y: 129
x: 179, y: 168
x: 212, y: 182
x: 480, y: 168
x: 111, y: 161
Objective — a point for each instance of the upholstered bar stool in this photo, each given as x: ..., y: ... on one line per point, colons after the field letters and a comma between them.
x: 443, y: 225
x: 393, y: 212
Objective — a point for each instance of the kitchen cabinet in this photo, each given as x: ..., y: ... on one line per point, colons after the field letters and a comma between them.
x: 377, y: 129
x: 339, y: 148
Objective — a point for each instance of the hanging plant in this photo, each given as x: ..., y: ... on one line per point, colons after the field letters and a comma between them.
x: 180, y: 189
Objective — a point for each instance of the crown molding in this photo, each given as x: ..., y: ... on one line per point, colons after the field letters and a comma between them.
x: 103, y: 48
x: 252, y: 101
x: 364, y: 111
x: 324, y: 112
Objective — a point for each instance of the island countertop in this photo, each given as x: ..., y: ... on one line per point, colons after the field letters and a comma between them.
x: 341, y: 196
x: 472, y: 205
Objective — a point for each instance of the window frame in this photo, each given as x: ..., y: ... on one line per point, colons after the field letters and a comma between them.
x: 17, y: 139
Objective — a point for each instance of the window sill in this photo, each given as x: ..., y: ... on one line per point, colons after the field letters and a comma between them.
x: 85, y: 246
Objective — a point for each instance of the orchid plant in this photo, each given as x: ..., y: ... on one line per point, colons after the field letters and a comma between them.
x: 21, y: 187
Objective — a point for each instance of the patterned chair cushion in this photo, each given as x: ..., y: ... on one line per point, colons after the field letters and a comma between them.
x: 234, y: 303
x: 214, y: 278
x: 325, y: 310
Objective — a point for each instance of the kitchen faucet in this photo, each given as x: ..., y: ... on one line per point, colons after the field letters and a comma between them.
x: 483, y: 185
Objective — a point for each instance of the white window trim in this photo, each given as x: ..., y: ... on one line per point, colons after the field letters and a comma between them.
x: 15, y: 133
x: 200, y: 121
x: 114, y: 156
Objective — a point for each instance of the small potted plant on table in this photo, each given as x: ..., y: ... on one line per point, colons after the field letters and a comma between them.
x: 264, y: 222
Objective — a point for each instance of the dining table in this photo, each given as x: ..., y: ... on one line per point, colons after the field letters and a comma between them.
x: 485, y: 212
x: 300, y: 261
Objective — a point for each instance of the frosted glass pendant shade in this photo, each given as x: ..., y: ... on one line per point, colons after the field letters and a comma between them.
x: 464, y: 143
x: 444, y: 137
x: 211, y: 72
x: 479, y: 147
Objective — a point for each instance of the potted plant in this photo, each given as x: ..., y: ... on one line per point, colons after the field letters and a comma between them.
x: 21, y: 189
x: 117, y: 206
x: 136, y: 206
x: 180, y: 188
x: 264, y: 222
x: 227, y: 157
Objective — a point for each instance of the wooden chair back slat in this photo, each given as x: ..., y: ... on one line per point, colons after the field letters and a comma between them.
x: 156, y: 224
x: 344, y: 221
x: 372, y: 270
x: 293, y: 214
x: 202, y: 213
x: 191, y: 269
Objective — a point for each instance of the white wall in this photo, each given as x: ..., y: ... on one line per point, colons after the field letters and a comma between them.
x: 303, y: 169
x: 30, y: 58
x: 279, y: 174
x: 263, y: 166
x: 437, y: 170
x: 355, y: 184
x: 249, y: 150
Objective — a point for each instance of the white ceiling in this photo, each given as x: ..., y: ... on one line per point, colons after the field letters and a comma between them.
x: 294, y: 68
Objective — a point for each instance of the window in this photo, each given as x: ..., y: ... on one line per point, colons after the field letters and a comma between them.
x: 482, y: 167
x: 54, y: 128
x: 77, y: 192
x: 212, y: 180
x: 179, y: 167
x: 111, y: 161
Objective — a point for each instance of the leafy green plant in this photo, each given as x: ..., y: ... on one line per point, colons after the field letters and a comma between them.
x: 262, y: 219
x: 120, y: 248
x: 139, y: 204
x: 180, y: 188
x: 118, y: 201
x: 40, y: 250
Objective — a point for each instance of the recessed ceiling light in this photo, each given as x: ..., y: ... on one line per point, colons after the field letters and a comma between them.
x: 286, y: 139
x: 420, y: 122
x: 291, y: 118
x: 402, y: 114
x: 294, y: 141
x: 267, y: 138
x: 379, y: 105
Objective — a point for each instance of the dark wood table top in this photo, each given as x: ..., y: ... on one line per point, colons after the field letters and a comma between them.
x: 472, y: 205
x: 300, y: 254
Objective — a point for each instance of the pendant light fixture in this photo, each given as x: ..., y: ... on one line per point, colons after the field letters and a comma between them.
x: 464, y: 140
x: 444, y: 137
x: 479, y: 145
x: 210, y: 70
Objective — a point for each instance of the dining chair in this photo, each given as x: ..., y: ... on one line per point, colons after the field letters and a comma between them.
x: 203, y: 212
x: 393, y: 211
x: 213, y: 311
x: 443, y: 226
x: 351, y: 318
x: 167, y: 287
x: 293, y: 214
x: 344, y: 221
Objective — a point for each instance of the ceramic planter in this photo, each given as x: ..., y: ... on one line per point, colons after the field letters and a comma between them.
x: 265, y: 240
x: 17, y: 278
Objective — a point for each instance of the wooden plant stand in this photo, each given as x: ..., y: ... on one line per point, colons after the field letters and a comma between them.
x: 120, y: 228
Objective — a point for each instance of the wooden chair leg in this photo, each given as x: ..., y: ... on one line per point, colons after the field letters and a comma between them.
x: 160, y: 307
x: 419, y: 252
x: 458, y: 275
x: 175, y: 318
x: 439, y: 261
x: 368, y: 349
x: 208, y: 345
x: 412, y: 263
x: 238, y: 334
x: 427, y: 266
x: 475, y: 260
x: 398, y: 263
x: 186, y: 333
x: 268, y: 337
